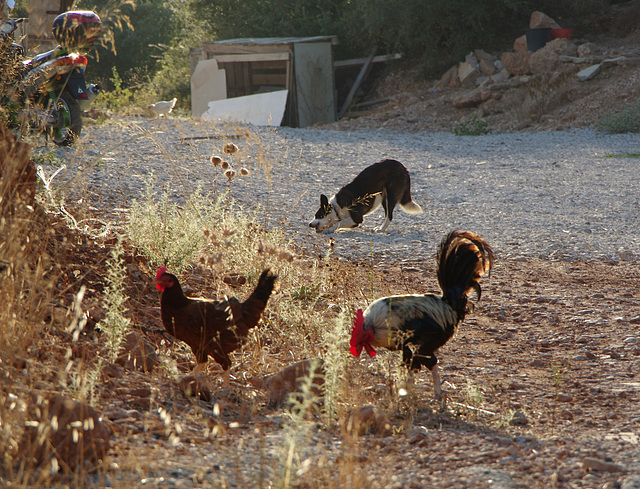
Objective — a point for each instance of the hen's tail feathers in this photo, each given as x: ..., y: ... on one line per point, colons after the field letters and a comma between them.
x: 247, y: 314
x: 265, y: 286
x: 258, y: 299
x: 463, y: 258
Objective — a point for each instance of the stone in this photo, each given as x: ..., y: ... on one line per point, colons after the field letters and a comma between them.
x: 482, y: 55
x: 196, y: 385
x: 417, y: 434
x: 588, y: 49
x: 517, y: 63
x: 501, y: 77
x: 137, y: 354
x: 598, y: 465
x: 467, y: 100
x: 366, y: 420
x: 589, y: 73
x: 288, y: 381
x: 450, y: 78
x: 467, y: 74
x: 63, y: 434
x: 561, y: 397
x: 541, y: 20
x: 487, y: 68
x: 550, y: 57
x: 518, y: 419
x: 520, y: 45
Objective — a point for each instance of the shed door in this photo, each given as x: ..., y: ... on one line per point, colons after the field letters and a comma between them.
x: 313, y: 65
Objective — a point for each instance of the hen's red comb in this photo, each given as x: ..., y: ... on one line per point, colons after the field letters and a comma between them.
x: 161, y: 271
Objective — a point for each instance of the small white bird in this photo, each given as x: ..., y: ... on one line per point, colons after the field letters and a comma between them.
x: 163, y: 108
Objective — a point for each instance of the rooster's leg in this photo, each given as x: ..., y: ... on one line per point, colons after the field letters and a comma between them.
x: 436, y: 381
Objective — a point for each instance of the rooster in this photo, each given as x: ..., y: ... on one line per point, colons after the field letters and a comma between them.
x: 211, y: 328
x: 163, y: 108
x: 420, y: 324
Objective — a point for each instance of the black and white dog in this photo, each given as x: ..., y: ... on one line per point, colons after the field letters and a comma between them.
x: 386, y: 182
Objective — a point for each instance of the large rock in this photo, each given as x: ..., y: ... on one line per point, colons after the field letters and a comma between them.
x: 517, y: 63
x: 520, y: 45
x: 540, y: 20
x: 467, y: 100
x: 63, y: 434
x: 549, y: 58
x: 468, y: 74
x: 366, y: 420
x: 288, y: 381
x: 487, y: 68
x: 196, y: 385
x: 589, y: 73
x: 450, y: 78
x: 589, y: 49
x: 137, y: 354
x: 482, y: 55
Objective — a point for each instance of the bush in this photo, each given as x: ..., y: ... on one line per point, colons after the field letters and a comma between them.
x: 473, y: 127
x: 625, y: 121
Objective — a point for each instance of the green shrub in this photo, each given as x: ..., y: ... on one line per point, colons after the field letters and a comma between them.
x: 628, y: 120
x: 472, y: 127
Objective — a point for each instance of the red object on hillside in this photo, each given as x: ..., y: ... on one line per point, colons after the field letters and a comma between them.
x: 561, y: 33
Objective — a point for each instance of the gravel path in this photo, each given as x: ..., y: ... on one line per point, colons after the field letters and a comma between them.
x: 551, y: 195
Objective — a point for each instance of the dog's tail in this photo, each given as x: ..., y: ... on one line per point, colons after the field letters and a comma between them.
x: 408, y: 205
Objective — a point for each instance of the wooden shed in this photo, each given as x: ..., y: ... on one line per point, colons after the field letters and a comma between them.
x: 301, y: 65
x: 39, y: 26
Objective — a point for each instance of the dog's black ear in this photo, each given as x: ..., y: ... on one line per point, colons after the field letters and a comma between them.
x: 324, y: 202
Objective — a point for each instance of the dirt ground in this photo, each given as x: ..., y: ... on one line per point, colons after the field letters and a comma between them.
x: 543, y: 383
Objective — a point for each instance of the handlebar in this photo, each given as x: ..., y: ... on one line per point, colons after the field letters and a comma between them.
x: 10, y: 26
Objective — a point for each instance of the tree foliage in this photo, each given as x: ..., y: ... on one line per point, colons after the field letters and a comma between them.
x: 151, y: 40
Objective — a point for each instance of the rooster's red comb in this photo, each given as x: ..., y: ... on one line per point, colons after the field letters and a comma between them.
x: 358, y: 321
x: 359, y: 338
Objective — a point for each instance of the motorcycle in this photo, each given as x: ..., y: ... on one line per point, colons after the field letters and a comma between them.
x: 48, y: 92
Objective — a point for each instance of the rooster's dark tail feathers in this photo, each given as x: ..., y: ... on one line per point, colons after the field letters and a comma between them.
x: 463, y: 258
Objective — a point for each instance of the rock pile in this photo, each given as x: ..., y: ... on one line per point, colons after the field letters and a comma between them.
x: 495, y: 84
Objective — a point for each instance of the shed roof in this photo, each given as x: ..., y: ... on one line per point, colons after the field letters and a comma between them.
x: 265, y: 41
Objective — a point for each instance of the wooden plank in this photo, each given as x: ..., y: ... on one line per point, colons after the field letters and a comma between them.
x: 250, y: 58
x: 360, y: 61
x: 272, y: 80
x: 361, y: 76
x: 274, y: 66
x: 214, y: 49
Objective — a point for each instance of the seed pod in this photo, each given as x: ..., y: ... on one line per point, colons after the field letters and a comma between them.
x: 230, y: 148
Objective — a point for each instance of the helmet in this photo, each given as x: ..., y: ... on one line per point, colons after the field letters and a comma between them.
x: 76, y: 28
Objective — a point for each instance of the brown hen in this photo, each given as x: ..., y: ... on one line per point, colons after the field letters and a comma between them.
x: 211, y: 328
